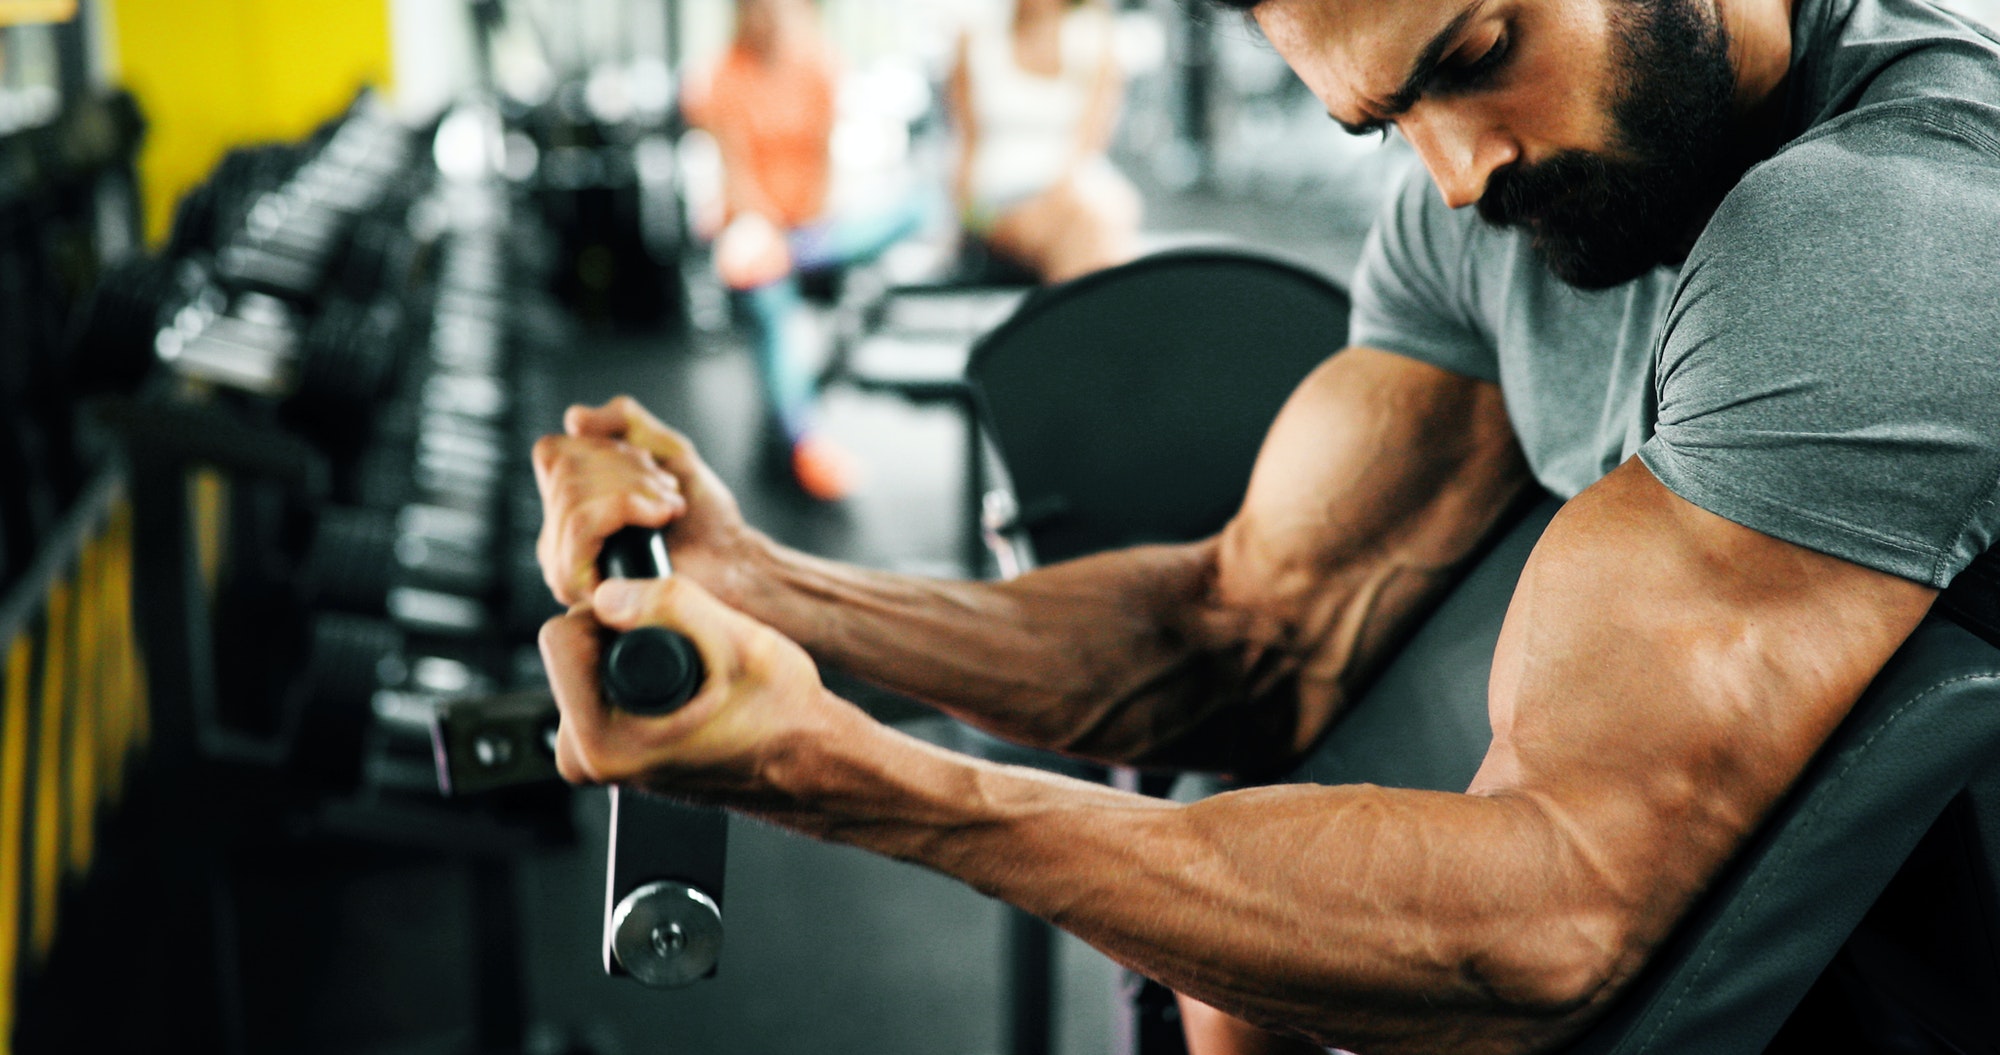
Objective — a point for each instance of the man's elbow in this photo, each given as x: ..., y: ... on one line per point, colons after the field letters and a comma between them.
x: 1524, y: 993
x: 1553, y: 972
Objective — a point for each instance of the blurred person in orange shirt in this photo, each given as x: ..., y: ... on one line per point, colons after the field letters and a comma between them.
x: 769, y: 102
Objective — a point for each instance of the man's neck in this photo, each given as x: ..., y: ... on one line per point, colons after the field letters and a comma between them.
x: 1760, y: 35
x: 1761, y: 48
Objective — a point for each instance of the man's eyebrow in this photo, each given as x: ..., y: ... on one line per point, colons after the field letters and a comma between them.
x: 1428, y: 60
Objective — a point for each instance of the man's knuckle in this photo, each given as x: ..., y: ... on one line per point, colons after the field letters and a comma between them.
x: 760, y: 651
x: 549, y: 637
x: 670, y: 596
x: 546, y: 553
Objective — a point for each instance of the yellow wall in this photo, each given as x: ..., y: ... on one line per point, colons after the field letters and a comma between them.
x: 213, y: 74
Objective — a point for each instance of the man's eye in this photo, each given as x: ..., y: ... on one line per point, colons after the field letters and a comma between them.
x: 1473, y: 74
x: 1374, y: 126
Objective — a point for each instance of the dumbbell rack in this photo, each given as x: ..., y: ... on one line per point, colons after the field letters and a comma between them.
x: 291, y: 679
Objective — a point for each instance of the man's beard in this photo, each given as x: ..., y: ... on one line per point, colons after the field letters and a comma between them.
x: 1598, y: 221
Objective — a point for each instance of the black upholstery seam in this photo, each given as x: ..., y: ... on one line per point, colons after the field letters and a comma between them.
x: 1818, y: 809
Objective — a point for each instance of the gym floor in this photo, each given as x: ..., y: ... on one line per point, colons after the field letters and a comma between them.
x: 829, y: 950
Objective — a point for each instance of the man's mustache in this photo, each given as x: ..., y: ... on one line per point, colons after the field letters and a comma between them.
x: 1522, y: 195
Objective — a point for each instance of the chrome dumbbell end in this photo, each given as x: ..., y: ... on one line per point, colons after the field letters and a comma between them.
x: 663, y: 890
x: 664, y: 934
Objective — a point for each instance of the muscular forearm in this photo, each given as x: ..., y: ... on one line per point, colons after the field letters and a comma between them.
x: 1123, y: 657
x: 1376, y: 919
x: 1378, y: 478
x: 1230, y: 654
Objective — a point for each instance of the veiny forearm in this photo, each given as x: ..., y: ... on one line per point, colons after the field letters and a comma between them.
x: 1379, y: 920
x: 1122, y: 656
x: 1379, y: 478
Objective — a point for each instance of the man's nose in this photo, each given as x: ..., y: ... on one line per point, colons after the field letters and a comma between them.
x: 1460, y: 154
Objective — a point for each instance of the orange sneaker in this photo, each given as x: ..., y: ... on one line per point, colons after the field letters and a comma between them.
x: 822, y: 468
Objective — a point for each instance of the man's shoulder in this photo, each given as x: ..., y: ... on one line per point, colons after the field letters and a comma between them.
x: 1894, y: 177
x: 1897, y: 109
x: 1905, y: 131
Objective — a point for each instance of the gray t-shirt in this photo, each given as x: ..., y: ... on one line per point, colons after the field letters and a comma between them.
x: 1825, y: 368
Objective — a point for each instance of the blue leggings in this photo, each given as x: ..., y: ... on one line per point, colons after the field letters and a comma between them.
x: 834, y: 242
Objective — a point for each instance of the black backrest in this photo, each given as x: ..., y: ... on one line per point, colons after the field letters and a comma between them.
x: 1128, y: 405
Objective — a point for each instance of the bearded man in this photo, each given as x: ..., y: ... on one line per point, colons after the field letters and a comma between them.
x: 1723, y: 273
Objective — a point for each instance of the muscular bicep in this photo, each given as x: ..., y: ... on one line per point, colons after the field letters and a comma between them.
x: 1379, y: 477
x: 1663, y: 677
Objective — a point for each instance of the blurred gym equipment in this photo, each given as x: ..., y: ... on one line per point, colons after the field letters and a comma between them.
x: 312, y: 396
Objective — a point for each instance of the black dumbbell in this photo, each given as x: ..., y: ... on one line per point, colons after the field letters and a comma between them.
x: 419, y: 453
x: 368, y: 677
x: 441, y: 437
x: 291, y: 235
x: 381, y: 256
x: 208, y: 214
x: 431, y: 567
x: 150, y: 312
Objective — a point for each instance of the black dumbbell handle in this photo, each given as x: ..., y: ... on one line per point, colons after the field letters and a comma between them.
x: 651, y: 670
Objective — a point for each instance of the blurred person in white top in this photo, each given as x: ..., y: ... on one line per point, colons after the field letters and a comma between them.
x: 1035, y: 98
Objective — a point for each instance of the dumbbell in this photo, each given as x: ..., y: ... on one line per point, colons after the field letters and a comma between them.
x: 427, y: 493
x: 294, y: 243
x: 380, y: 256
x: 291, y: 234
x: 367, y: 675
x: 430, y: 568
x: 149, y: 311
x: 664, y: 860
x: 446, y: 420
x: 437, y: 446
x: 206, y: 215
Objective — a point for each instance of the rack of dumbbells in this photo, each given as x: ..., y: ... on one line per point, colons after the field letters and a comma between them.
x: 315, y: 389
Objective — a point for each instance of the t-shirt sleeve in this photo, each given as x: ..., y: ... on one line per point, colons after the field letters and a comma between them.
x: 1411, y: 290
x: 1830, y: 367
